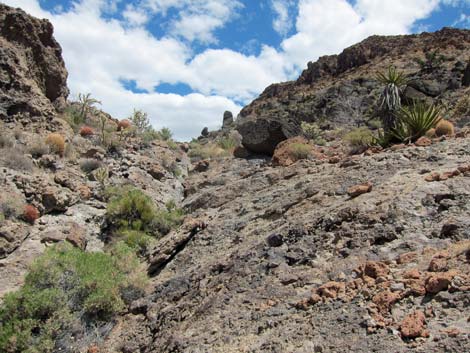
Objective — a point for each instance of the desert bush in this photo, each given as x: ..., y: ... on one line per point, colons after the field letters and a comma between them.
x: 6, y: 140
x: 39, y: 149
x: 88, y: 165
x: 86, y: 131
x: 64, y: 289
x: 413, y: 122
x: 10, y: 206
x: 313, y: 132
x: 101, y: 176
x: 86, y: 103
x: 135, y: 239
x: 300, y: 150
x: 130, y: 208
x: 15, y: 158
x: 30, y: 214
x: 360, y: 138
x: 207, y: 151
x: 165, y: 134
x: 444, y: 128
x: 139, y: 119
x: 56, y: 143
x: 227, y: 143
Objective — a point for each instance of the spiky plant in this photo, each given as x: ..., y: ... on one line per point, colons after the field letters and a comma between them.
x: 390, y: 101
x: 413, y: 122
x: 86, y: 103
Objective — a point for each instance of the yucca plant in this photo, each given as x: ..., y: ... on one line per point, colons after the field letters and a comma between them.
x: 413, y: 122
x: 390, y: 101
x: 86, y: 103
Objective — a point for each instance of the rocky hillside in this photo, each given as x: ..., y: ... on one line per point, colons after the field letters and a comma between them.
x: 114, y: 238
x: 342, y: 90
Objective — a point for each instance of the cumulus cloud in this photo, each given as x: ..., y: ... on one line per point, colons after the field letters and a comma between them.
x: 282, y: 21
x: 101, y: 53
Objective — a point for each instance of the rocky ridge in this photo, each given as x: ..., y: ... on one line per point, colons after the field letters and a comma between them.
x: 341, y: 91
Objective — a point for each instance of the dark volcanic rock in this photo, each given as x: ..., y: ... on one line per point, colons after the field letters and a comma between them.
x: 342, y: 90
x: 32, y: 73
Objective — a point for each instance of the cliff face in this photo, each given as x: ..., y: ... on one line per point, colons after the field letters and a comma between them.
x: 341, y: 90
x: 33, y: 78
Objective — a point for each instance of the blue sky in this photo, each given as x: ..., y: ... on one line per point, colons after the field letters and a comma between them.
x: 186, y: 61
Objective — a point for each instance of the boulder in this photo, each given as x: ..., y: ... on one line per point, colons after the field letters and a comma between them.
x: 228, y: 119
x: 262, y: 135
x: 413, y: 325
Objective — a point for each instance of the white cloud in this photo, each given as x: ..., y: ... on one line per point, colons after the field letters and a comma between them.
x: 100, y: 53
x: 282, y: 21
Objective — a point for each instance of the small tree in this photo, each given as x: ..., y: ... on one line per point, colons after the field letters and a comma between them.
x: 390, y: 101
x: 86, y: 103
x: 140, y: 121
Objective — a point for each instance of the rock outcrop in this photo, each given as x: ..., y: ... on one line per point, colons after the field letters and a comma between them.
x: 342, y: 90
x: 33, y: 78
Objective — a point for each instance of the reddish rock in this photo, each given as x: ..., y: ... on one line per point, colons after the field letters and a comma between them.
x: 334, y: 160
x: 385, y: 299
x: 360, y: 189
x: 434, y: 176
x: 376, y: 269
x: 423, y: 141
x: 412, y: 274
x: 413, y: 325
x: 414, y: 287
x: 406, y: 258
x: 285, y: 154
x: 397, y: 147
x: 439, y: 281
x: 438, y: 263
x: 331, y: 289
x: 84, y: 192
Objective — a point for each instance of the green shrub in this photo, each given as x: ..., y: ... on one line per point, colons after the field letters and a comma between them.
x: 172, y: 145
x: 360, y: 137
x: 313, y: 132
x: 227, y: 143
x: 130, y: 208
x: 207, y: 151
x: 413, y: 122
x: 169, y: 218
x: 165, y: 134
x: 300, y: 150
x: 137, y: 240
x: 139, y: 119
x: 65, y: 288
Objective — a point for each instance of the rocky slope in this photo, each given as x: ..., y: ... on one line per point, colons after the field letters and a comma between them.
x: 342, y: 90
x: 334, y: 253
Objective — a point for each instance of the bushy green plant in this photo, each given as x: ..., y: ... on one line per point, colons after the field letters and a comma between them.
x: 165, y: 134
x: 63, y: 288
x: 137, y: 240
x: 227, y: 143
x: 139, y: 119
x: 86, y: 104
x: 130, y: 208
x: 300, y: 150
x: 39, y: 149
x: 360, y: 137
x: 313, y: 132
x: 415, y: 121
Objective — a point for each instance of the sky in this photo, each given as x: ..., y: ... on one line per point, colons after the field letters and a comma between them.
x: 185, y: 62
